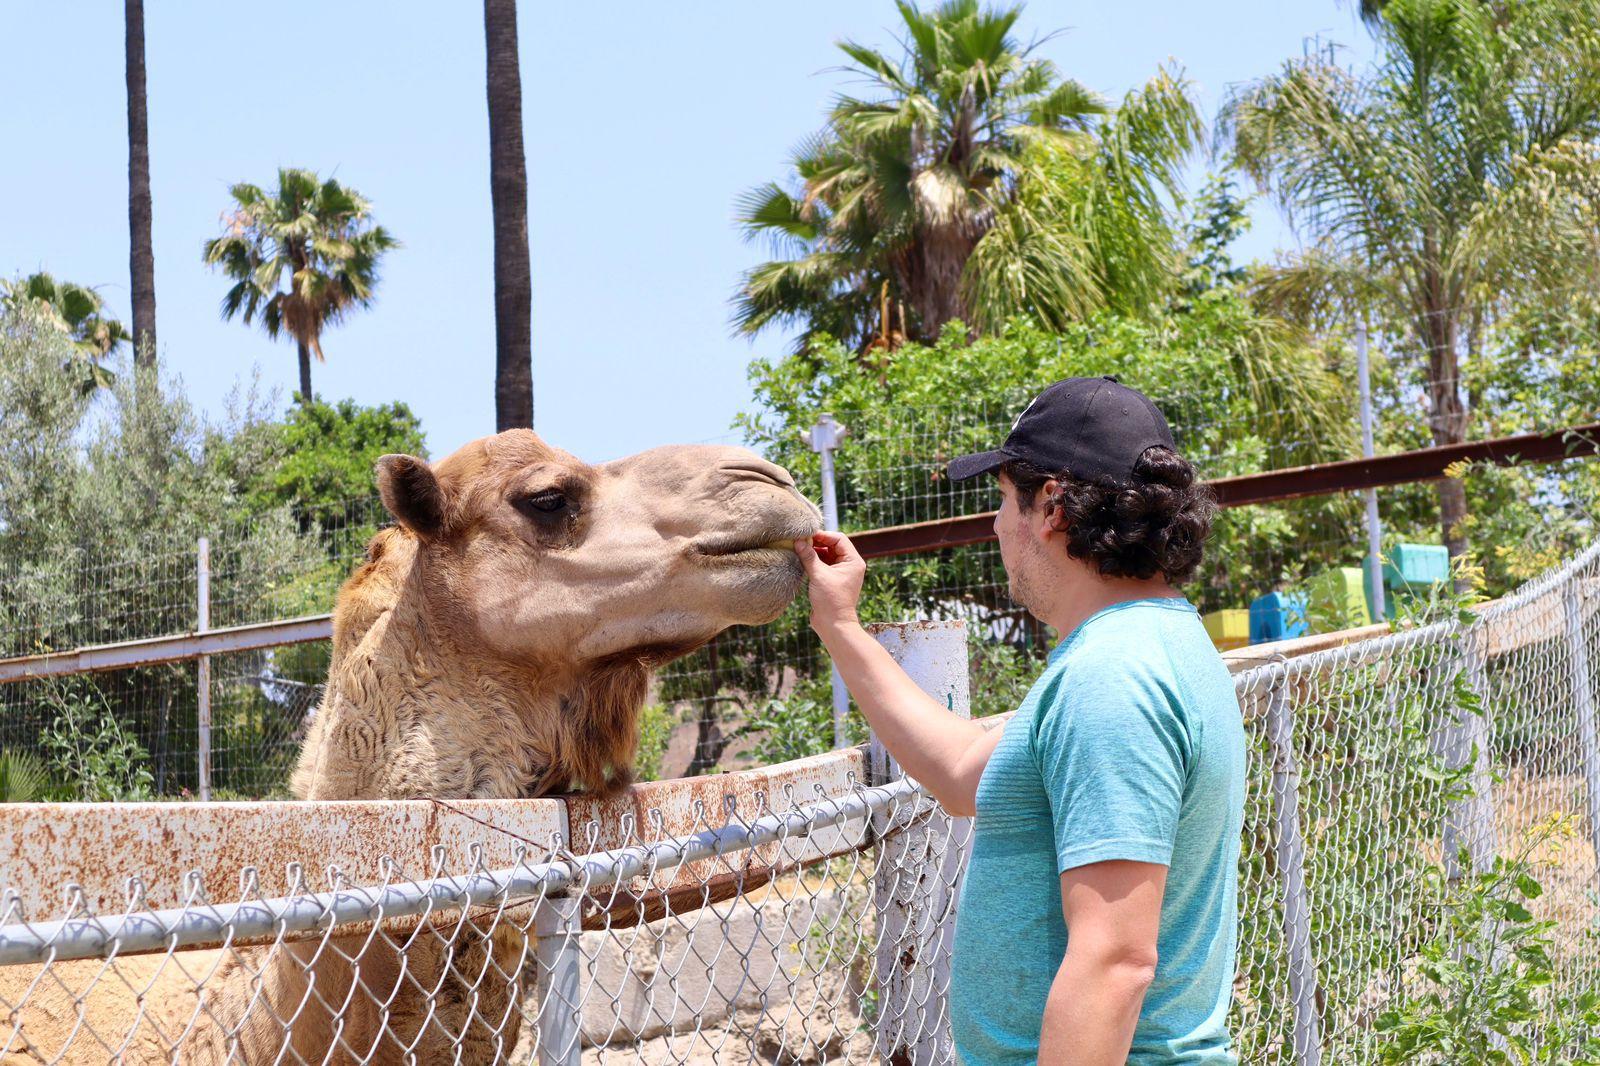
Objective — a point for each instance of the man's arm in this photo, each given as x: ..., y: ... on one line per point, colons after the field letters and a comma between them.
x: 945, y: 753
x: 1113, y: 913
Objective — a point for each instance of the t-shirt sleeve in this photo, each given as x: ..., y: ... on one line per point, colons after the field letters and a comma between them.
x: 1113, y: 754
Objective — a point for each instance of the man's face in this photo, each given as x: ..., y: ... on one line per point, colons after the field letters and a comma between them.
x: 1024, y: 540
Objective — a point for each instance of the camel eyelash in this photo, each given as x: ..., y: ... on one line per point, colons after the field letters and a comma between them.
x: 548, y: 501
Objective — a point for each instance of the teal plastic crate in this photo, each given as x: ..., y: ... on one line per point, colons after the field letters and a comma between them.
x: 1415, y: 566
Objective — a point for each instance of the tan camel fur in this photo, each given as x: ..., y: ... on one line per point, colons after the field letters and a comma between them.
x: 497, y: 643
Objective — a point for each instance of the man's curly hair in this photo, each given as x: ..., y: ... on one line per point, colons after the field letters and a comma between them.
x: 1156, y: 522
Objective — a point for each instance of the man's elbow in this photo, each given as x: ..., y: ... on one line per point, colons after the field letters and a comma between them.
x: 1129, y: 967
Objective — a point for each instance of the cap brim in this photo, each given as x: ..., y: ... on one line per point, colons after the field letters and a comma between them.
x: 970, y: 466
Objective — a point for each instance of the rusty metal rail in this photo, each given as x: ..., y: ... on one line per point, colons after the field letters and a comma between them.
x: 1424, y: 464
x: 1274, y: 485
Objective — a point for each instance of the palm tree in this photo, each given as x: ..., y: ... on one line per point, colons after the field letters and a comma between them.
x: 77, y: 312
x: 508, y: 193
x: 973, y: 182
x: 1454, y: 177
x: 300, y: 258
x: 141, y: 256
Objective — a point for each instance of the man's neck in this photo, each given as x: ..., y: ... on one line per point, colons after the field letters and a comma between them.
x: 1083, y: 592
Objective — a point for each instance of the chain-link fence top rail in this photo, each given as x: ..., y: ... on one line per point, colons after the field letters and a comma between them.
x: 799, y: 914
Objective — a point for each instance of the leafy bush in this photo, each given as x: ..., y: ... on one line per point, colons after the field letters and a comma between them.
x: 655, y: 729
x: 95, y: 757
x: 799, y: 724
x: 1488, y: 992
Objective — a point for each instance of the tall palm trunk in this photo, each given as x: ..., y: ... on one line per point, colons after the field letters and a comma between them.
x: 1448, y: 417
x: 141, y: 254
x: 305, y: 371
x: 508, y: 187
x: 929, y: 273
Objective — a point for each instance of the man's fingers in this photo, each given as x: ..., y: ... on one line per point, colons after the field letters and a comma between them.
x: 809, y: 560
x: 840, y: 548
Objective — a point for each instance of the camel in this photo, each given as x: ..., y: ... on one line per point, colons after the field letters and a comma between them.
x: 497, y: 643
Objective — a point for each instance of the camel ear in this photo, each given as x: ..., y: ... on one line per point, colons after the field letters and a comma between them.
x: 412, y: 494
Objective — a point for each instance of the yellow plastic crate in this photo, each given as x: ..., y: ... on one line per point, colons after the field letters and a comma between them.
x: 1228, y: 628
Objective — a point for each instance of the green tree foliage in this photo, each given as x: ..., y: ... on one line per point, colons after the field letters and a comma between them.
x: 325, y: 455
x: 79, y: 312
x: 301, y: 258
x: 103, y: 502
x: 974, y: 182
x: 1452, y: 182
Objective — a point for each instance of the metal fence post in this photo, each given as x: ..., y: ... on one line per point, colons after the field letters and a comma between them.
x: 1380, y: 610
x: 1583, y: 707
x: 203, y: 669
x: 920, y: 867
x: 1291, y: 856
x: 824, y: 438
x: 1463, y: 740
x: 559, y: 952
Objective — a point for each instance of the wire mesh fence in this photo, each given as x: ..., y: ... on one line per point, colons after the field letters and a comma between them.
x: 802, y: 913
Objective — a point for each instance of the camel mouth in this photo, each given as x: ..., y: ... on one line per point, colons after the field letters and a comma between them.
x: 771, y: 545
x: 778, y: 546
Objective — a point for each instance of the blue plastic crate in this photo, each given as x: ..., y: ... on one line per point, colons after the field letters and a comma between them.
x: 1277, y: 616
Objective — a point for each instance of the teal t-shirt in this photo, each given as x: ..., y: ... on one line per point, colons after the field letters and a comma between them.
x: 1129, y: 746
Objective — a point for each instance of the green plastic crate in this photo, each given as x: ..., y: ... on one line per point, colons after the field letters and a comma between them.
x: 1337, y: 599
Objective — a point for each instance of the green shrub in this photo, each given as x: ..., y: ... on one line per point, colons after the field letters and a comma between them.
x: 655, y: 729
x: 90, y: 751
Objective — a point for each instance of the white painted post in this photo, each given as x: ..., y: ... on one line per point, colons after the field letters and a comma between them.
x: 203, y: 669
x: 922, y: 858
x: 559, y: 953
x: 1583, y: 707
x: 1380, y: 609
x: 1464, y: 739
x: 1291, y: 855
x: 824, y: 438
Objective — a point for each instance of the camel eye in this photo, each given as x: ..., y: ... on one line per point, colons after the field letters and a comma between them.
x: 547, y: 502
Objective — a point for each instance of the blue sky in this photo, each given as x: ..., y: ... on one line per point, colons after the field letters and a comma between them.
x: 643, y: 123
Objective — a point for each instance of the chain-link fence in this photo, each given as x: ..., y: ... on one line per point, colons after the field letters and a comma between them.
x: 1420, y: 835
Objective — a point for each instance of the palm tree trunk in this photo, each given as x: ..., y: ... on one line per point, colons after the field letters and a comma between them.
x: 305, y: 372
x: 1447, y: 419
x: 933, y: 283
x: 141, y: 254
x: 508, y: 188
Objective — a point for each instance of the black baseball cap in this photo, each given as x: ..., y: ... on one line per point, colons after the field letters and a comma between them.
x: 1086, y: 427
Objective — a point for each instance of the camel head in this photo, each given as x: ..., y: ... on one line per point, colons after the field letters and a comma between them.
x: 543, y: 558
x: 498, y: 642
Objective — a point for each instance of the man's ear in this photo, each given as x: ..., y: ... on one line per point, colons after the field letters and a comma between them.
x: 412, y: 494
x: 1054, y: 520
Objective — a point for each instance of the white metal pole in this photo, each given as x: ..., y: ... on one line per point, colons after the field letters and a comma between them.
x: 1583, y: 707
x: 1291, y: 856
x: 203, y: 669
x: 922, y: 860
x: 824, y: 438
x: 1380, y: 609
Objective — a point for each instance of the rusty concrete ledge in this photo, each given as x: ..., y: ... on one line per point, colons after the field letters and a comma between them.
x: 61, y: 858
x: 256, y: 919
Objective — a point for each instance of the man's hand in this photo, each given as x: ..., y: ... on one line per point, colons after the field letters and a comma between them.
x: 835, y: 570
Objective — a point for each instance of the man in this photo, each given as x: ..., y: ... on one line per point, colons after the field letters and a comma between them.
x: 1097, y: 922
